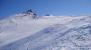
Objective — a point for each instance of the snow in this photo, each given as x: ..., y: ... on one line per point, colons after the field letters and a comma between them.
x: 45, y: 33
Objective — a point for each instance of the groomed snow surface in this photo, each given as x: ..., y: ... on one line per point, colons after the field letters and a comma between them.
x: 22, y: 32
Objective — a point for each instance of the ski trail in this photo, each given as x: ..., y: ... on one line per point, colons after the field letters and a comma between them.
x: 41, y: 35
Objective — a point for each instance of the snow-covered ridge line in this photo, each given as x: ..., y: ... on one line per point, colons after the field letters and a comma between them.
x: 13, y: 29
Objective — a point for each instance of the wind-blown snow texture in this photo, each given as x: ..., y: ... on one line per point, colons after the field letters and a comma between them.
x: 22, y: 32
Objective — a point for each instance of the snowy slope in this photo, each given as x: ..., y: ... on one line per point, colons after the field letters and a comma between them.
x: 22, y: 32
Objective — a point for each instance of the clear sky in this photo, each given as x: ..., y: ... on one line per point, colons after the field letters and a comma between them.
x: 43, y: 7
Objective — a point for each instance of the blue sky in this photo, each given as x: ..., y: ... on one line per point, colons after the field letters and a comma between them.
x: 43, y: 7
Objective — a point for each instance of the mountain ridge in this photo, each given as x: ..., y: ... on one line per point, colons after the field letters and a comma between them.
x: 21, y: 32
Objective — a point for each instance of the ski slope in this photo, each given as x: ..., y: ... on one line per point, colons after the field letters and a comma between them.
x: 22, y: 32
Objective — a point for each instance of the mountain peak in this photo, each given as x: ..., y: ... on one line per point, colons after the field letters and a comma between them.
x: 26, y: 14
x: 29, y: 11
